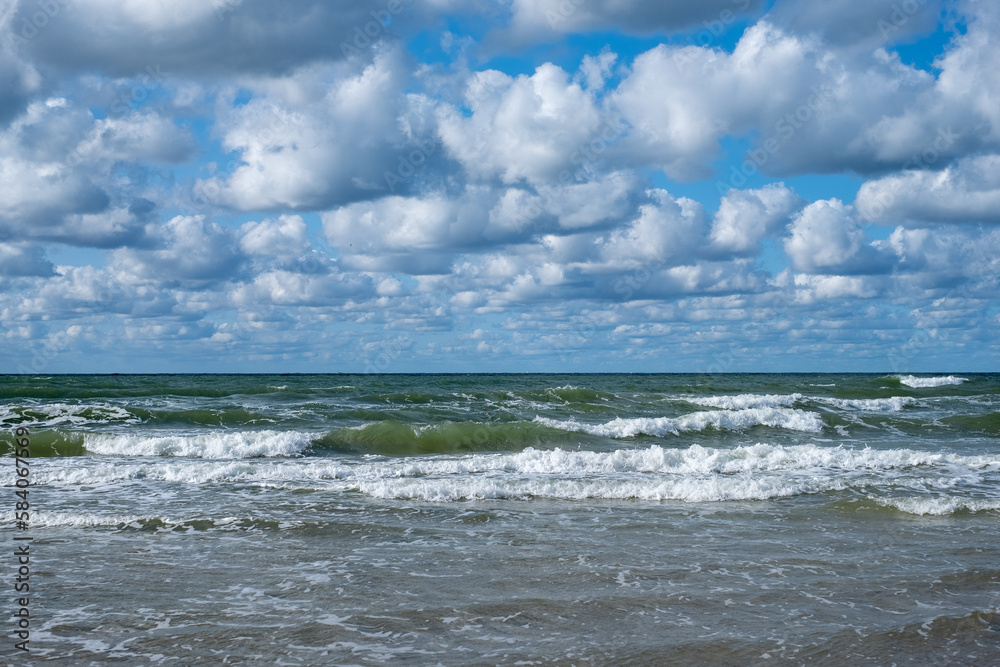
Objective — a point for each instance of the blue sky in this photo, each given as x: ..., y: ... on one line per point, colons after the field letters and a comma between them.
x: 514, y: 185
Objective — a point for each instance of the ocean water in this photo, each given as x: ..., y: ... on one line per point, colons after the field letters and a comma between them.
x: 509, y: 519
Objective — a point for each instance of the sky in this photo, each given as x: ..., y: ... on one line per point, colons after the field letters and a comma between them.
x: 499, y: 186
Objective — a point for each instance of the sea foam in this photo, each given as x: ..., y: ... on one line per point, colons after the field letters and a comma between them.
x: 925, y: 382
x: 50, y: 415
x: 692, y: 474
x: 939, y: 506
x: 729, y: 420
x: 220, y: 445
x: 744, y: 401
x: 891, y: 404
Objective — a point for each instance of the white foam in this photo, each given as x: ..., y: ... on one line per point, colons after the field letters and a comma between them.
x: 693, y: 474
x: 729, y: 420
x: 77, y: 520
x: 219, y: 445
x: 940, y: 505
x: 744, y: 401
x: 714, y: 489
x: 925, y: 382
x: 65, y: 414
x: 891, y: 404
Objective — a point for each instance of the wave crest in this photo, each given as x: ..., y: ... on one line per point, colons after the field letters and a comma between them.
x: 927, y: 382
x: 727, y: 420
x: 224, y: 445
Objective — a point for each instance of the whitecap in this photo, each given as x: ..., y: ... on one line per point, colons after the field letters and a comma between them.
x: 939, y: 506
x: 925, y: 382
x: 891, y: 404
x: 219, y: 445
x: 744, y: 401
x: 730, y: 420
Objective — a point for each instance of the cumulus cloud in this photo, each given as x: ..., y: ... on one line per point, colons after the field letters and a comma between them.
x: 746, y: 217
x: 283, y: 237
x: 666, y: 229
x: 408, y: 234
x: 318, y: 137
x: 19, y: 79
x: 966, y: 192
x: 861, y: 24
x: 812, y: 107
x: 286, y: 288
x: 536, y: 17
x: 135, y: 137
x: 191, y: 249
x: 160, y: 162
x: 526, y: 128
x: 23, y: 260
x: 192, y: 37
x: 827, y: 238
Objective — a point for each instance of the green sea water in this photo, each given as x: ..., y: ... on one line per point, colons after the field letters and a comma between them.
x: 500, y: 519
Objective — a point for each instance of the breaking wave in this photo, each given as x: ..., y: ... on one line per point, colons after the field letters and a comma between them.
x: 728, y: 420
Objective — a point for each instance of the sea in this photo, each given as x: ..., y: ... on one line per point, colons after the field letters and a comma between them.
x: 508, y: 519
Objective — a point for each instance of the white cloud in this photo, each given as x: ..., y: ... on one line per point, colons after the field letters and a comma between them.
x: 192, y: 249
x: 812, y: 289
x: 197, y: 37
x: 746, y: 217
x: 321, y: 136
x: 667, y: 230
x: 284, y: 237
x: 526, y: 128
x: 538, y: 17
x: 285, y: 288
x: 23, y: 260
x: 536, y: 204
x: 826, y: 238
x: 596, y: 69
x: 968, y: 191
x: 135, y: 137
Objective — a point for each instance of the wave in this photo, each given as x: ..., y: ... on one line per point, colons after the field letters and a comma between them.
x: 986, y: 423
x: 51, y: 415
x: 392, y: 438
x: 693, y: 474
x: 926, y: 382
x: 745, y: 401
x: 939, y: 506
x: 154, y: 522
x: 221, y: 445
x: 203, y: 417
x: 891, y: 404
x: 569, y: 394
x: 76, y: 520
x: 728, y: 420
x: 388, y: 438
x: 47, y: 443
